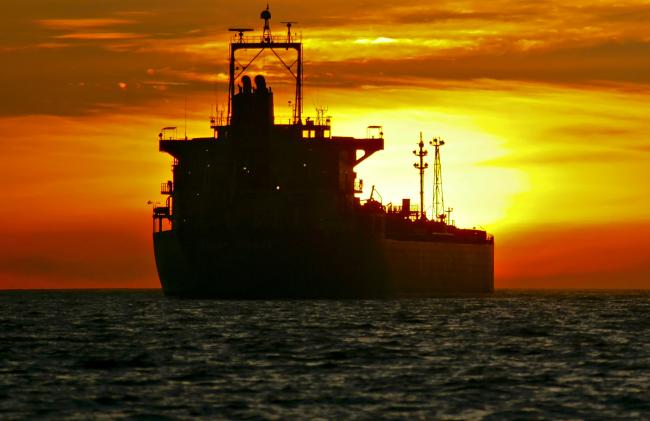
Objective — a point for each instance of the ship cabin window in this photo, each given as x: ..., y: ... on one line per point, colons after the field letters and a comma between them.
x: 317, y: 132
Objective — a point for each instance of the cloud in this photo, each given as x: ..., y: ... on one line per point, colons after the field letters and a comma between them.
x: 58, y: 91
x: 440, y: 13
x: 378, y: 40
x: 99, y: 35
x: 591, y: 132
x: 613, y: 13
x: 615, y: 62
x: 554, y: 158
x: 88, y: 23
x: 643, y: 148
x: 546, y: 85
x: 350, y: 45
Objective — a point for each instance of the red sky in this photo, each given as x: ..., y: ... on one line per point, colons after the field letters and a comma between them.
x: 543, y: 105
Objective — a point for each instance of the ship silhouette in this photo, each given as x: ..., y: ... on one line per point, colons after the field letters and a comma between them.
x: 262, y: 210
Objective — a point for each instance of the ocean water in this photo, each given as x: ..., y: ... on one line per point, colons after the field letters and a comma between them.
x: 137, y: 354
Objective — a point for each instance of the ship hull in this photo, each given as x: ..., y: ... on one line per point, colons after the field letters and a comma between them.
x: 431, y: 268
x: 264, y: 210
x: 319, y: 266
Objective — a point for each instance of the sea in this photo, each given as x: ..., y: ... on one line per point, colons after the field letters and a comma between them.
x: 509, y: 355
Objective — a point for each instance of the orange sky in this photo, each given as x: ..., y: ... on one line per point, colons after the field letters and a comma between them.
x: 544, y: 107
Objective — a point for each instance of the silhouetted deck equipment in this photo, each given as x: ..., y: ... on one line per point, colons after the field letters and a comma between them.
x: 267, y: 210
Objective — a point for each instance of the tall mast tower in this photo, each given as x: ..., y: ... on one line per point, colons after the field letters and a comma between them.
x: 438, y: 197
x: 266, y: 42
x: 421, y: 166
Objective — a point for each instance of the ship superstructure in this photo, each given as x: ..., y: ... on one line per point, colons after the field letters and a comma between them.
x: 268, y: 210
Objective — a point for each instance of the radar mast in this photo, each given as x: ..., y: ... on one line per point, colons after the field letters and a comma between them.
x: 266, y: 42
x: 421, y: 166
x: 438, y: 198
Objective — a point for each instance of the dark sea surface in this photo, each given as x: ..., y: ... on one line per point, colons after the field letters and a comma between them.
x: 137, y: 354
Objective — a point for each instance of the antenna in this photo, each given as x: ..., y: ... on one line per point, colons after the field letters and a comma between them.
x: 240, y: 32
x: 421, y: 166
x: 185, y: 129
x: 320, y: 115
x: 264, y: 42
x: 266, y: 15
x: 438, y: 198
x: 289, y: 25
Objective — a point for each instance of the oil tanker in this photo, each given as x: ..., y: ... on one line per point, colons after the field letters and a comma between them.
x: 263, y: 210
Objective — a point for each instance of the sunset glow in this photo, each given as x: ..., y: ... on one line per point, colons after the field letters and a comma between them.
x: 543, y: 107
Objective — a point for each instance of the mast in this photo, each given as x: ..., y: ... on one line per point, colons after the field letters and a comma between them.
x: 266, y: 41
x: 421, y: 166
x: 438, y: 198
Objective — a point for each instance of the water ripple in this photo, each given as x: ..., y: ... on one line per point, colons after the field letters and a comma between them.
x: 523, y: 355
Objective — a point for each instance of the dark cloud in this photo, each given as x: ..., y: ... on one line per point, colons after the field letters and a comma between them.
x: 78, y: 57
x: 614, y: 62
x: 436, y: 14
x: 612, y: 13
x: 87, y: 79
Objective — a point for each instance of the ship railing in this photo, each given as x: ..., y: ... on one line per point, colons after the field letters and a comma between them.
x: 162, y: 219
x: 412, y: 212
x: 319, y: 128
x: 309, y: 123
x: 264, y: 39
x: 161, y: 211
x: 390, y: 208
x: 167, y: 188
x: 218, y: 121
x: 168, y: 133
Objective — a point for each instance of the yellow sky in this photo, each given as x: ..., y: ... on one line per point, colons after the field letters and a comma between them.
x: 543, y: 107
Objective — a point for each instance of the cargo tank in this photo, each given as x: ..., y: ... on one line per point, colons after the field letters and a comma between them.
x: 272, y: 210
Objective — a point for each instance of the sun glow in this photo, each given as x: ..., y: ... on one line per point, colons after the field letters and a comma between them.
x: 543, y: 107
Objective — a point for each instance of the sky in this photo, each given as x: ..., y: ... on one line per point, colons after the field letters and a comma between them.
x: 543, y: 107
